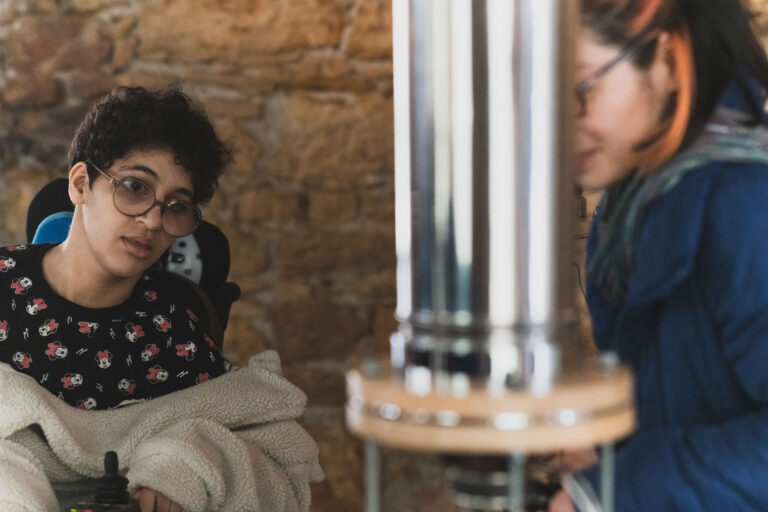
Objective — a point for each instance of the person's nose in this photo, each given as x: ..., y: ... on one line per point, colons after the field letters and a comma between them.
x: 153, y: 218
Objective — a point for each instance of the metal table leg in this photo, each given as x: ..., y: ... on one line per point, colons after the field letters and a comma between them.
x: 516, y: 490
x: 607, y: 476
x: 372, y: 476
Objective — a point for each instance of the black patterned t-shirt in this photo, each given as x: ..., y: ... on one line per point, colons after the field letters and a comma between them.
x: 150, y: 345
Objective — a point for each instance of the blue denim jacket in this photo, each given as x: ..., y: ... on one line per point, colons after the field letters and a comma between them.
x: 694, y: 328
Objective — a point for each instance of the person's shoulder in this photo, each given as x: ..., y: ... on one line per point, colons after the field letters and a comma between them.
x: 25, y: 249
x: 724, y: 171
x: 711, y: 198
x: 720, y: 197
x: 20, y: 256
x: 738, y: 198
x: 169, y: 287
x: 185, y: 298
x: 699, y: 188
x: 720, y: 188
x: 741, y: 178
x: 16, y: 249
x: 666, y: 245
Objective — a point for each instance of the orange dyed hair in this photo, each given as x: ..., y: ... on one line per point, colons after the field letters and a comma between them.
x: 677, y: 126
x: 646, y: 15
x: 682, y: 62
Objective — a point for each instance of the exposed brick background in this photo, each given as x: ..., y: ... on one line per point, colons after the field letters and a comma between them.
x: 303, y: 90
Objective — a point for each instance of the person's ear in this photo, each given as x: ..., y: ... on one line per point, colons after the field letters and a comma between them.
x: 78, y: 183
x: 663, y: 68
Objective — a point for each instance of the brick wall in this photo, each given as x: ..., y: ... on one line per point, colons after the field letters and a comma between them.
x: 303, y: 90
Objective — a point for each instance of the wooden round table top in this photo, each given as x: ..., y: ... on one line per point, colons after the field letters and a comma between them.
x: 578, y: 411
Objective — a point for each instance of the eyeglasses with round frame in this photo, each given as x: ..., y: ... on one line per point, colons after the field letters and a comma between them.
x: 133, y: 197
x: 586, y: 85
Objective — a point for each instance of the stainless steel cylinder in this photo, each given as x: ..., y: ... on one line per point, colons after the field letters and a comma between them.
x: 484, y: 198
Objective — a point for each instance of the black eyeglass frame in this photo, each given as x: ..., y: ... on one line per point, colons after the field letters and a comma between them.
x: 155, y: 201
x: 584, y: 86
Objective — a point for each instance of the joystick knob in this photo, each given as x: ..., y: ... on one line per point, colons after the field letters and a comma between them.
x: 112, y: 488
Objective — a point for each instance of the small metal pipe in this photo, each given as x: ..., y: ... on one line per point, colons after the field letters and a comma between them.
x: 516, y: 490
x: 607, y: 476
x: 372, y: 476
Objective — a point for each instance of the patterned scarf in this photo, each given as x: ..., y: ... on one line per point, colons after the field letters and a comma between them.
x: 724, y: 139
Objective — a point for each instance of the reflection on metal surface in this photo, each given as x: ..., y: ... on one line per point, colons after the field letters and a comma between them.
x: 484, y: 200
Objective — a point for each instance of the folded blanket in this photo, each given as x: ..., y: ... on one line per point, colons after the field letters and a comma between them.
x: 230, y: 444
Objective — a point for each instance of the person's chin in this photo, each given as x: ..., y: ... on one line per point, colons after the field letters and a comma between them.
x: 585, y: 180
x: 131, y: 267
x: 593, y: 178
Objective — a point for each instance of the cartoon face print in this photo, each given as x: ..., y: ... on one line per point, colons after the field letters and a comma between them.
x: 104, y: 359
x: 150, y: 295
x: 72, y: 380
x: 187, y: 350
x: 191, y: 315
x: 88, y: 328
x: 7, y: 264
x: 150, y: 352
x: 203, y: 377
x: 87, y: 404
x: 22, y: 360
x: 49, y: 327
x: 20, y: 285
x: 126, y: 386
x: 4, y: 329
x: 157, y: 374
x: 35, y: 305
x: 133, y: 332
x: 20, y: 247
x: 161, y: 323
x: 56, y: 351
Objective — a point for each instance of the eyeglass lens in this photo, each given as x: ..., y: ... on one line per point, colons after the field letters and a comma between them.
x: 134, y: 197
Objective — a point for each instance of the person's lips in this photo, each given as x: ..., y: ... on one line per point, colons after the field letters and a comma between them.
x: 138, y: 246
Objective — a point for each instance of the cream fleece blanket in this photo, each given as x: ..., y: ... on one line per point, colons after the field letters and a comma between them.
x: 230, y: 444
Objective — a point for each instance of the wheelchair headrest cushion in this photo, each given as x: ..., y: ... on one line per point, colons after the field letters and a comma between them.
x: 53, y: 229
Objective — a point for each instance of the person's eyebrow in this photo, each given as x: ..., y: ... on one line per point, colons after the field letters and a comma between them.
x: 151, y: 172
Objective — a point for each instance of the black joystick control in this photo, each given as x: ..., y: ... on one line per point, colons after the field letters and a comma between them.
x: 111, y: 491
x: 112, y: 488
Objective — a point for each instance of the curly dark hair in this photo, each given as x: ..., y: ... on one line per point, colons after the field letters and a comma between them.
x: 131, y: 118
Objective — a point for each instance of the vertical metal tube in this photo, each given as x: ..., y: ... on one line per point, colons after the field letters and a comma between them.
x: 607, y: 476
x: 401, y: 22
x: 372, y: 476
x: 483, y: 192
x: 516, y: 490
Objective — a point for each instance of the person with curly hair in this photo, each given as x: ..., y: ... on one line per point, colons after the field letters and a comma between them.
x: 140, y: 164
x: 89, y: 321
